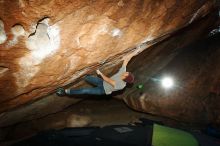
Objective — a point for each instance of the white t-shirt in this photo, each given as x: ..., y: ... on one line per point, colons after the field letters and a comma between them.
x: 119, y: 83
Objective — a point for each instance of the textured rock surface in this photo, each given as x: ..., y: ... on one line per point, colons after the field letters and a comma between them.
x: 46, y: 44
x: 154, y: 59
x: 195, y: 97
x: 87, y: 112
x: 48, y: 105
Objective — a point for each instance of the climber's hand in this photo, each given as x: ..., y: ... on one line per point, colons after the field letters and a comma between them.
x: 98, y: 72
x: 136, y: 52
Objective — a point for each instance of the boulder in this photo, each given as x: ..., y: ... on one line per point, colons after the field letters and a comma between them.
x: 195, y: 95
x: 48, y: 44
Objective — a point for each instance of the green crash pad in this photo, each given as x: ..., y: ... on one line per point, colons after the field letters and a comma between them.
x: 166, y: 136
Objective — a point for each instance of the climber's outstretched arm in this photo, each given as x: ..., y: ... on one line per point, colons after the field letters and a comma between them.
x: 128, y: 58
x: 105, y: 78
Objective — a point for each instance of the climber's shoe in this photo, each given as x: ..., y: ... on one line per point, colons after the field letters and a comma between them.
x: 61, y: 92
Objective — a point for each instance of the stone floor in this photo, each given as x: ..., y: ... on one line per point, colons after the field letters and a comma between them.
x: 92, y: 112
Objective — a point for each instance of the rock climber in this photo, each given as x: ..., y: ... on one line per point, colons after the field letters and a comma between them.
x: 104, y: 85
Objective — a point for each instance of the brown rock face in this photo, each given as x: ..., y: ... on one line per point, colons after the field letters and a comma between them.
x: 46, y: 44
x: 195, y: 96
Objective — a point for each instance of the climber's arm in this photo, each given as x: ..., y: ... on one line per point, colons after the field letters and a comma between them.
x: 128, y: 58
x: 105, y: 78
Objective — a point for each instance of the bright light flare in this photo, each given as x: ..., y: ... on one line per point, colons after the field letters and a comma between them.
x: 167, y: 82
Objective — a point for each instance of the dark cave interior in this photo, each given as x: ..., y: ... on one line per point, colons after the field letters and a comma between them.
x: 47, y: 45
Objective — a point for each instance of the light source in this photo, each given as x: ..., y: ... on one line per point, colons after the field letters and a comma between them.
x: 167, y: 82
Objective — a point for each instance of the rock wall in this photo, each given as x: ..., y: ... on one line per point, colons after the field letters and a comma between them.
x: 194, y: 99
x: 47, y: 44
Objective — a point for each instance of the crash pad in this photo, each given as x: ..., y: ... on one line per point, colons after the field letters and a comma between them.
x: 166, y: 136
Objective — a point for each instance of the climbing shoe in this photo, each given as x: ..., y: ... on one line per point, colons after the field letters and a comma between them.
x: 60, y: 92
